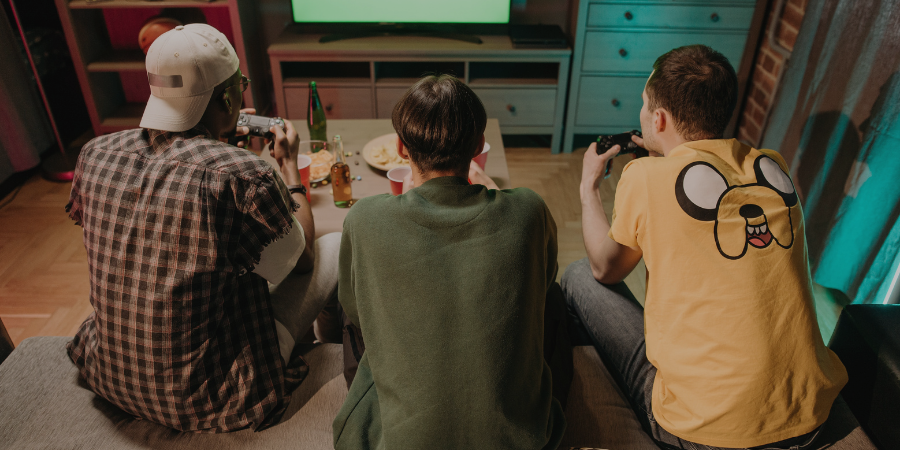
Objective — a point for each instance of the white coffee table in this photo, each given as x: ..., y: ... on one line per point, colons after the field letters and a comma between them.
x: 355, y: 134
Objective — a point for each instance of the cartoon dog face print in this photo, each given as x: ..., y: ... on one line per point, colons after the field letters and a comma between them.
x: 751, y: 215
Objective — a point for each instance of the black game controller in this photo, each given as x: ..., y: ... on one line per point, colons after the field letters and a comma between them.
x: 259, y: 125
x: 624, y: 141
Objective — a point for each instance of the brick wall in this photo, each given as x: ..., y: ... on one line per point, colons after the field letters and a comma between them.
x: 766, y: 68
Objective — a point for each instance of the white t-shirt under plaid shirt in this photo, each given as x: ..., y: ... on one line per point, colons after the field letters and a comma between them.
x: 182, y: 332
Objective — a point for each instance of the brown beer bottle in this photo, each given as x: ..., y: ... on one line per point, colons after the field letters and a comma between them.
x: 340, y: 177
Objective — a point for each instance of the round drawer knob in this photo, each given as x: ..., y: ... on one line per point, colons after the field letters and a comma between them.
x: 615, y: 102
x: 511, y: 108
x: 628, y: 15
x: 714, y: 17
x: 329, y: 107
x: 623, y: 53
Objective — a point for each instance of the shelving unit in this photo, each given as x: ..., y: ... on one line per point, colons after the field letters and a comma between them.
x: 102, y: 38
x: 617, y: 42
x: 525, y: 89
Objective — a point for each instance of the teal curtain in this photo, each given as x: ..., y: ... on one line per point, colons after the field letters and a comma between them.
x: 836, y: 120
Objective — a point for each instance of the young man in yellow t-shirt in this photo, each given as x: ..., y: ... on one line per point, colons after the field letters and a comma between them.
x: 726, y: 352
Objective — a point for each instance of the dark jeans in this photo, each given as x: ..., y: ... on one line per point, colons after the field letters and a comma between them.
x: 611, y: 319
x: 557, y: 346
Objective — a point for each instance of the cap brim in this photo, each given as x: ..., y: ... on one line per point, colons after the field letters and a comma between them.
x: 175, y: 114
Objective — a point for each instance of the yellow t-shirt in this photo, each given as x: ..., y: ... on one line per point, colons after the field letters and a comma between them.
x: 729, y: 319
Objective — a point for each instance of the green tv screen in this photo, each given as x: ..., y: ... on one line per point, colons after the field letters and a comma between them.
x: 402, y: 11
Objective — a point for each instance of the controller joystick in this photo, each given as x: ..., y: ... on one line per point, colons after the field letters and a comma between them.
x: 260, y: 125
x: 604, y: 143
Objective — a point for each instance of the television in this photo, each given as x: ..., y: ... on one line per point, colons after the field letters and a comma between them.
x: 437, y: 18
x: 401, y: 11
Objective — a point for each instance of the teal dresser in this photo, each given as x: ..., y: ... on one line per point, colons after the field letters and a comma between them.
x: 616, y: 43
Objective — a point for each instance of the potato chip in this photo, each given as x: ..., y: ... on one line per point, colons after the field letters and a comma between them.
x: 386, y: 155
x: 321, y: 164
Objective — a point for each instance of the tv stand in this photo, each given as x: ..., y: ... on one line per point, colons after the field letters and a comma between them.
x: 401, y: 30
x: 364, y: 77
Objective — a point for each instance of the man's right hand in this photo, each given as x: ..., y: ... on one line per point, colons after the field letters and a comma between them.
x: 284, y: 148
x: 640, y: 142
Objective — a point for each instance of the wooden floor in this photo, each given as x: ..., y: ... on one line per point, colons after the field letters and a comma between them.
x: 556, y: 178
x: 44, y: 285
x: 43, y: 265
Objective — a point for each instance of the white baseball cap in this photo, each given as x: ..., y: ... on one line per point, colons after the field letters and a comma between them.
x: 184, y: 66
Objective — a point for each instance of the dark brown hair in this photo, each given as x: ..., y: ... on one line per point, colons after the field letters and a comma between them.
x: 440, y: 122
x: 698, y: 87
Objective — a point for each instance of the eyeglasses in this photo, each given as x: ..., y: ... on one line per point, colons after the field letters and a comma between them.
x: 244, y: 83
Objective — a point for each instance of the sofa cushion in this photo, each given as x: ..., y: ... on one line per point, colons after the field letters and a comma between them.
x: 867, y: 339
x: 46, y: 405
x: 597, y: 413
x: 599, y: 416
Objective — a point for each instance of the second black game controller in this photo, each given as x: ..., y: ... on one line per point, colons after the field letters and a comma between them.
x: 260, y: 125
x: 623, y: 140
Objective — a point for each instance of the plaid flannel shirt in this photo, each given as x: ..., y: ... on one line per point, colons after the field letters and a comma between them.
x: 182, y: 332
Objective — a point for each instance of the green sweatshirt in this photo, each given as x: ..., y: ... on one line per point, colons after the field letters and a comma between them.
x: 448, y: 284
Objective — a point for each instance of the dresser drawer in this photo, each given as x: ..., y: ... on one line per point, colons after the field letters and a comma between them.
x: 385, y: 99
x: 519, y: 107
x: 628, y: 51
x: 610, y: 101
x: 713, y: 17
x: 339, y: 102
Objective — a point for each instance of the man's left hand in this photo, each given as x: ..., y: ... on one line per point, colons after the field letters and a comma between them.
x: 284, y: 148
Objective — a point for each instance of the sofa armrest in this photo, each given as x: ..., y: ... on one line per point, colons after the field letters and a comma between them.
x: 867, y: 340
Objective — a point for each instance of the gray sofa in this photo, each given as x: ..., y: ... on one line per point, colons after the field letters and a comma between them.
x: 44, y: 405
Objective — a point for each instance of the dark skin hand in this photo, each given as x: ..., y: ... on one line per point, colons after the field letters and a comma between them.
x: 220, y: 118
x: 284, y: 148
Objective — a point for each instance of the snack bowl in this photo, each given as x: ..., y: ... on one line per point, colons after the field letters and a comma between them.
x: 322, y: 159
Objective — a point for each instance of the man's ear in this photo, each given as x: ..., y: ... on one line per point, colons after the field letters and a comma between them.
x: 226, y: 102
x: 401, y: 150
x: 661, y: 120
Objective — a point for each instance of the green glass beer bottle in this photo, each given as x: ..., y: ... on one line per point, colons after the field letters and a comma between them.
x: 315, y: 118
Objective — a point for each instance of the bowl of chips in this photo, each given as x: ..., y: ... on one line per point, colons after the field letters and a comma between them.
x: 322, y: 159
x: 381, y: 153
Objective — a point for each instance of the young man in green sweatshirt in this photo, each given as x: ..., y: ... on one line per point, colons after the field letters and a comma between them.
x: 448, y: 283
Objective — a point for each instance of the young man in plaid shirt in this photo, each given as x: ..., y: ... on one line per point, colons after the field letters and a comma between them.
x: 186, y: 236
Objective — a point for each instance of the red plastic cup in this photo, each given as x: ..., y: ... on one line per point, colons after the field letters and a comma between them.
x: 481, y: 159
x: 303, y: 163
x: 396, y: 175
